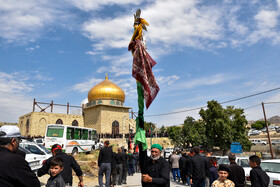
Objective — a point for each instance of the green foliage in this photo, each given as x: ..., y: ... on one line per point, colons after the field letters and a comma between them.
x: 148, y: 125
x: 259, y: 125
x: 224, y: 126
x: 193, y: 132
x: 162, y: 129
x: 219, y: 127
x: 174, y: 134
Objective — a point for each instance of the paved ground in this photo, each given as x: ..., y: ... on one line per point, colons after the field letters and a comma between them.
x: 134, y: 181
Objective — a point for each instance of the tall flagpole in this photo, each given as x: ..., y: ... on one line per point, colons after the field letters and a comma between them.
x: 147, y: 87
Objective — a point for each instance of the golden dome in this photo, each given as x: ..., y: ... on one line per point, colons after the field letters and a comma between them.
x: 106, y: 90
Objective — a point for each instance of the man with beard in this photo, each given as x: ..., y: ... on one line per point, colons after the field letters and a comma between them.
x: 157, y: 169
x: 14, y: 170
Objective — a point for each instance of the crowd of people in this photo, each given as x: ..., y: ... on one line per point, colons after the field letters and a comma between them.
x: 116, y: 166
x: 193, y: 169
x: 190, y: 168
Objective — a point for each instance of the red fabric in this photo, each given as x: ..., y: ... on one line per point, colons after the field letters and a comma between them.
x: 142, y: 71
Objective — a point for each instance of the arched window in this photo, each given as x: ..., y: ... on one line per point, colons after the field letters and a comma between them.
x: 59, y: 121
x: 115, y: 127
x: 99, y: 102
x: 27, y: 126
x: 94, y: 102
x: 75, y: 123
x: 118, y: 103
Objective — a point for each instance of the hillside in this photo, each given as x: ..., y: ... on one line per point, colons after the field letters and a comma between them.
x: 272, y: 120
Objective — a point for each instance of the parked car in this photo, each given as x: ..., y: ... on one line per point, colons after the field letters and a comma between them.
x: 39, y: 141
x: 168, y: 151
x: 36, y: 149
x: 272, y: 169
x: 241, y: 161
x: 35, y: 161
x: 274, y: 142
x: 99, y: 145
x: 254, y: 132
x: 278, y: 130
x: 258, y: 141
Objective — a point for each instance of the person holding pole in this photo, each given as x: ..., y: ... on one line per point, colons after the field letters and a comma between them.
x: 157, y: 169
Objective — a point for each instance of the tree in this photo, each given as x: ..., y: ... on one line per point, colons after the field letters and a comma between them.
x: 174, y: 134
x: 193, y: 132
x: 259, y: 125
x: 162, y: 129
x: 148, y: 125
x: 238, y: 127
x: 224, y: 126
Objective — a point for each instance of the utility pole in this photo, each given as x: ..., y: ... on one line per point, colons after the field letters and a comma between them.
x: 267, y: 130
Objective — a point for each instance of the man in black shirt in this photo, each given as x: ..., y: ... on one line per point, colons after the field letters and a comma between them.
x: 184, y: 167
x: 157, y: 169
x: 14, y: 170
x: 120, y: 161
x: 69, y: 162
x: 125, y: 166
x: 198, y: 169
x: 237, y: 174
x: 114, y: 169
x: 258, y: 177
x: 104, y: 163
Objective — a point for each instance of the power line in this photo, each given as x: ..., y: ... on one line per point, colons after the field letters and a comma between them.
x: 272, y: 102
x: 251, y: 106
x: 250, y: 95
x: 237, y: 99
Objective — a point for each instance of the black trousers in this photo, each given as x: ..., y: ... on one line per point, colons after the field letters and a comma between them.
x: 113, y: 176
x: 183, y: 176
x: 119, y: 173
x: 124, y: 174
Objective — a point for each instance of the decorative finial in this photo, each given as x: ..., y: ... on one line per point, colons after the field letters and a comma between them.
x: 106, y: 77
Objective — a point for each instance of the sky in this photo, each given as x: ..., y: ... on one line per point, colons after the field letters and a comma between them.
x: 205, y: 50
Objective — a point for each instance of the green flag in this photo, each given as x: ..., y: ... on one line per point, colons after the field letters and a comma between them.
x: 140, y: 136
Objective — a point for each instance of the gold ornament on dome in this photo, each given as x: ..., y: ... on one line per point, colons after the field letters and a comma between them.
x: 106, y: 90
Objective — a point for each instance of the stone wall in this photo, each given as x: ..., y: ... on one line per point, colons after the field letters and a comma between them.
x: 39, y: 120
x: 101, y: 118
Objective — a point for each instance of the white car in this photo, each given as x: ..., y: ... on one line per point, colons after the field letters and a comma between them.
x: 272, y: 169
x: 168, y: 151
x: 39, y: 141
x: 241, y: 161
x: 34, y: 161
x: 258, y: 141
x: 274, y: 142
x: 36, y: 149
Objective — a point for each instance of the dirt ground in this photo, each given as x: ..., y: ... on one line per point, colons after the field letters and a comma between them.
x: 88, y: 164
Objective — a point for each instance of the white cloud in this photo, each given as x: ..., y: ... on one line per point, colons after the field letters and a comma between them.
x: 266, y: 19
x: 13, y: 101
x: 211, y: 80
x: 31, y: 49
x: 266, y: 27
x: 185, y: 23
x: 87, y: 85
x: 14, y: 83
x: 174, y: 119
x: 166, y: 80
x: 23, y: 21
x: 89, y: 5
x: 113, y: 33
x: 118, y: 65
